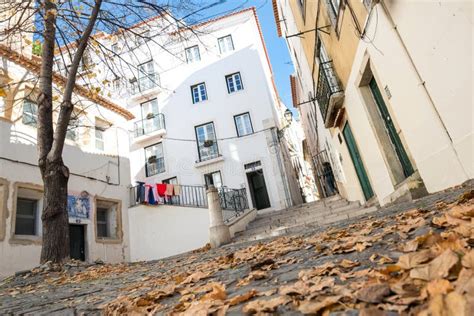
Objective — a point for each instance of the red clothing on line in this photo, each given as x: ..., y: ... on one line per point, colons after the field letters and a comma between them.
x: 161, y: 188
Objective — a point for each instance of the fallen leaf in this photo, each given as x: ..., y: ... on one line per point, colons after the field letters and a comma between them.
x: 218, y: 293
x: 260, y: 306
x: 411, y: 260
x: 242, y: 298
x: 468, y: 260
x: 373, y: 293
x: 409, y: 246
x: 297, y: 288
x: 439, y: 286
x: 314, y: 307
x: 345, y: 263
x: 437, y: 268
x: 452, y: 304
x: 195, y: 277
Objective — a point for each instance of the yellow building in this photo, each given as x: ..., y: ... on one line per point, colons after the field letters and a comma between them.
x: 384, y: 89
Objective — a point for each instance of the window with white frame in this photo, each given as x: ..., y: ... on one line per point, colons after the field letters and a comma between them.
x: 213, y: 178
x: 30, y: 113
x: 234, y: 82
x: 243, y: 124
x: 107, y: 219
x: 155, y: 160
x: 73, y: 127
x: 28, y: 206
x: 198, y: 92
x: 99, y: 138
x: 225, y: 44
x: 147, y: 78
x: 206, y: 141
x: 192, y: 54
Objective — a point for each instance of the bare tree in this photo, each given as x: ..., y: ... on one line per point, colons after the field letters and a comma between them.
x: 68, y: 29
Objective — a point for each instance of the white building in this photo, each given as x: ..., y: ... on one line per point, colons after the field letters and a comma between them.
x: 98, y: 188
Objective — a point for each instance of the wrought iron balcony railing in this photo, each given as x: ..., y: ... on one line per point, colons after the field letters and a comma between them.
x: 328, y: 85
x: 234, y: 200
x: 149, y: 125
x: 145, y: 83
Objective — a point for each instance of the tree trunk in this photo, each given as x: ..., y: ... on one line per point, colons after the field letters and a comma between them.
x: 55, y: 217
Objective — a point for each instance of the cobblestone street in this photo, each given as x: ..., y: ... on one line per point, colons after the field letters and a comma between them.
x: 328, y: 268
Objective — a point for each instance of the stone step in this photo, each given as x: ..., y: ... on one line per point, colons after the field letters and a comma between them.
x: 299, y: 215
x: 342, y: 213
x: 314, y: 207
x: 301, y: 226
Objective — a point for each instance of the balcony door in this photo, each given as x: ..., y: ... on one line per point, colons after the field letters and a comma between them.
x: 150, y: 118
x: 206, y: 141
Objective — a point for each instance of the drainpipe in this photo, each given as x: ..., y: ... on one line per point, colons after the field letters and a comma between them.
x: 422, y: 82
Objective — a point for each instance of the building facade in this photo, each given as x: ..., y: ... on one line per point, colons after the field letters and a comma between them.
x: 378, y: 73
x: 98, y: 187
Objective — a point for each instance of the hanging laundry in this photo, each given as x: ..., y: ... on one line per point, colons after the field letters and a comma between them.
x: 169, y: 190
x: 151, y: 194
x: 177, y: 189
x: 161, y: 188
x: 140, y: 192
x: 147, y: 195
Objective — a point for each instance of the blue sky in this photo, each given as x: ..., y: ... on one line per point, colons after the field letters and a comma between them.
x: 276, y: 46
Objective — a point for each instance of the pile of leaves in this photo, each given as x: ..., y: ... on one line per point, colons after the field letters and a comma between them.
x: 430, y: 271
x: 417, y: 262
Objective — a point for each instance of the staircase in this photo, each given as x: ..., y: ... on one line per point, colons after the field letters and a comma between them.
x: 301, y: 217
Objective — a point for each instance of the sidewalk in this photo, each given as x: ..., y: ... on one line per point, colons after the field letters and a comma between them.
x: 408, y: 257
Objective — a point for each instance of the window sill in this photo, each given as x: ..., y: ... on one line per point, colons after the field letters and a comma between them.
x: 203, y: 163
x: 108, y: 240
x: 26, y: 240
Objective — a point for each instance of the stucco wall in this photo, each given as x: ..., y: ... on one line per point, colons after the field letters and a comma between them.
x: 15, y: 256
x: 162, y: 231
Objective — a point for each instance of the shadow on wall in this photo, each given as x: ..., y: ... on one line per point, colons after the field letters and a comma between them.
x: 18, y: 144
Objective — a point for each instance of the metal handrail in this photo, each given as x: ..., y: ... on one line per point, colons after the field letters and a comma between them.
x: 149, y: 125
x: 196, y: 196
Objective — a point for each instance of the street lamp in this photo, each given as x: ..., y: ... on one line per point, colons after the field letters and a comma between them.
x: 288, y: 116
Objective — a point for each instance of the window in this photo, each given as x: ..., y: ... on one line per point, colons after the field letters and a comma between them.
x: 29, y: 203
x: 155, y: 160
x: 225, y: 44
x: 147, y: 78
x: 102, y: 224
x: 213, y: 178
x: 149, y: 108
x: 74, y: 123
x: 151, y: 120
x: 30, y: 113
x: 206, y: 141
x: 192, y: 54
x: 26, y: 217
x: 107, y: 219
x: 243, y: 124
x: 234, y: 82
x: 333, y: 8
x: 199, y: 92
x: 99, y: 138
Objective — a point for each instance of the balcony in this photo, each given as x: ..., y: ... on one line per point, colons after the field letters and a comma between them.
x: 208, y: 153
x: 329, y: 93
x: 152, y: 126
x: 145, y: 86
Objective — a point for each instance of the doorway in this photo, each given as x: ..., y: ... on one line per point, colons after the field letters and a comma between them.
x: 357, y: 161
x: 77, y: 242
x: 258, y: 189
x: 324, y: 174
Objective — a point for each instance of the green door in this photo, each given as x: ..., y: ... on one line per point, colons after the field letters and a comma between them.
x: 390, y: 128
x: 357, y: 160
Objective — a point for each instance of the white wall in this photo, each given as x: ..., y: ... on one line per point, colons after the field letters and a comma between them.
x: 16, y: 256
x: 181, y: 115
x: 162, y: 231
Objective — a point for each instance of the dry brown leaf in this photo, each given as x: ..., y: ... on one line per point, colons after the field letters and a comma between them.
x: 254, y: 275
x: 195, y: 277
x: 373, y: 293
x: 409, y: 246
x: 465, y: 282
x: 439, y: 221
x: 437, y: 268
x: 297, y: 288
x: 319, y: 283
x: 468, y: 260
x: 218, y: 293
x: 452, y: 304
x: 465, y: 211
x: 204, y: 308
x: 411, y: 260
x: 411, y: 224
x: 345, y: 263
x: 242, y: 298
x: 314, y: 307
x: 316, y: 271
x: 260, y: 306
x: 439, y: 286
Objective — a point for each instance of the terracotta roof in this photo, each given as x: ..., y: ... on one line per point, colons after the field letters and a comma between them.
x: 294, y: 91
x: 35, y: 67
x: 277, y: 17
